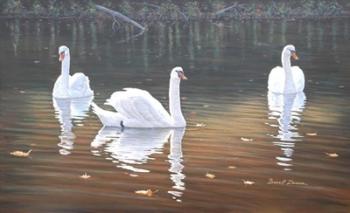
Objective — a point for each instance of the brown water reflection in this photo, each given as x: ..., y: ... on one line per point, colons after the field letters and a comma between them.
x: 224, y: 99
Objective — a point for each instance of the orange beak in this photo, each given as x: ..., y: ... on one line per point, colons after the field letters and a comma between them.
x: 61, y: 56
x: 183, y: 77
x: 295, y: 56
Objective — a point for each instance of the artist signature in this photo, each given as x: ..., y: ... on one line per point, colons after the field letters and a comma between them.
x: 285, y: 182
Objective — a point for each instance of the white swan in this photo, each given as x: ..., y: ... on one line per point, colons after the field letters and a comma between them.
x: 66, y: 86
x: 138, y: 108
x: 286, y: 79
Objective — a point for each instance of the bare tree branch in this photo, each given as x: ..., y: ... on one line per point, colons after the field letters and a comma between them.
x: 220, y: 12
x: 115, y: 14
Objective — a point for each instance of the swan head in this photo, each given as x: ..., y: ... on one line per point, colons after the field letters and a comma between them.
x: 178, y: 73
x: 289, y: 51
x: 63, y: 52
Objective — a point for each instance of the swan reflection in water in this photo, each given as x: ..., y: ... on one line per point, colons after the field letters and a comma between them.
x: 69, y: 112
x: 129, y: 148
x: 286, y: 109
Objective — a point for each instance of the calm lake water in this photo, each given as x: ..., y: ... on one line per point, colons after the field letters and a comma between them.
x: 236, y: 130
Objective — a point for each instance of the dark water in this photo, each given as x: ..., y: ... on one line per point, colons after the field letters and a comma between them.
x: 224, y: 101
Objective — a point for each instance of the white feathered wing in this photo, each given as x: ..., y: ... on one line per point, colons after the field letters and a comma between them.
x: 135, y: 108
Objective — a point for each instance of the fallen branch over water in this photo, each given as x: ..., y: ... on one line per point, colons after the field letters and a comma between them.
x: 116, y: 14
x: 222, y: 11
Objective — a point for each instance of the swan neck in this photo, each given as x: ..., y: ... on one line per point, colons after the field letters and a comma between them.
x: 285, y: 57
x: 175, y: 103
x: 65, y: 65
x: 65, y: 75
x: 289, y: 86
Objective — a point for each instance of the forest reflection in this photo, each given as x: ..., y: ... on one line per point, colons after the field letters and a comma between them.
x: 164, y: 40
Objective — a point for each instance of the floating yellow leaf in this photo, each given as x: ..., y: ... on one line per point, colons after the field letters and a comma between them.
x: 332, y: 155
x: 231, y: 167
x: 246, y: 139
x: 85, y: 176
x: 201, y: 125
x: 312, y: 134
x: 211, y: 176
x: 248, y: 182
x: 21, y: 154
x: 147, y: 192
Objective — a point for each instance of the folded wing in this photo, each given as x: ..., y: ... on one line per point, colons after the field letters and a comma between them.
x: 139, y: 108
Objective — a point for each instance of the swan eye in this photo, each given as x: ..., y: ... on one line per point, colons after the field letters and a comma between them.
x: 61, y: 57
x: 180, y: 73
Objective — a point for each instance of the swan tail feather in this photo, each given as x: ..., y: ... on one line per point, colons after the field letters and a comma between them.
x: 107, y: 118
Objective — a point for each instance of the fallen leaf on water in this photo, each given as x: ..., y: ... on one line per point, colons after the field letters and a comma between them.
x: 248, y: 182
x: 246, y: 139
x: 201, y: 125
x: 205, y: 105
x: 147, y: 192
x: 312, y: 134
x: 332, y: 155
x: 133, y: 175
x: 231, y: 167
x: 211, y: 176
x: 21, y: 154
x: 85, y: 176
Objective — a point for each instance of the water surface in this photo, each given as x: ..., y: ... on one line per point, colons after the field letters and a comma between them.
x: 224, y: 101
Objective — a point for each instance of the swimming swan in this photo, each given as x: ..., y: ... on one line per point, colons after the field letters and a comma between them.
x: 286, y: 79
x: 67, y: 86
x: 138, y: 108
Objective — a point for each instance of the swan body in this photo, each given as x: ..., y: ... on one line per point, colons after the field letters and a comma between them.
x: 138, y: 108
x: 286, y: 79
x: 67, y: 86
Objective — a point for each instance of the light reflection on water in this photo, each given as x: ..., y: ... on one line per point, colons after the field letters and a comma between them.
x: 66, y: 111
x: 286, y: 109
x: 227, y: 65
x: 130, y: 148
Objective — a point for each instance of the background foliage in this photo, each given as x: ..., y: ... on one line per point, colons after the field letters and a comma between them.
x: 177, y: 10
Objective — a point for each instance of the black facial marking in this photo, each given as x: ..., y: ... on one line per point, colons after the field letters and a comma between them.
x: 180, y: 73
